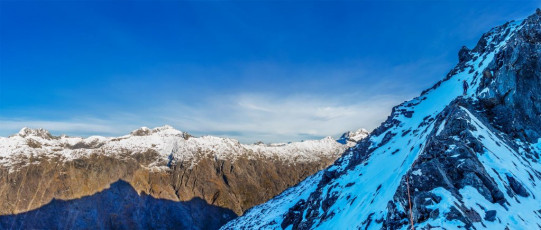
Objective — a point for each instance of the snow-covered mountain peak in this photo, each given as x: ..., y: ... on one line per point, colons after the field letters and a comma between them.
x: 165, y: 130
x: 359, y: 134
x: 351, y: 138
x: 42, y: 133
x: 143, y: 131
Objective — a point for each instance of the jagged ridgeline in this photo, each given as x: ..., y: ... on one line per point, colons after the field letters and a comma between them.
x: 450, y: 158
x: 158, y: 178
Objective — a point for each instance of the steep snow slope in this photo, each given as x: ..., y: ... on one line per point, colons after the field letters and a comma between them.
x: 458, y: 159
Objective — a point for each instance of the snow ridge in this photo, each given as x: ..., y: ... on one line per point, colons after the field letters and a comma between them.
x: 166, y: 140
x: 464, y: 174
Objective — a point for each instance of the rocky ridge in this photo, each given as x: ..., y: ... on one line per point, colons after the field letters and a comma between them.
x: 450, y: 158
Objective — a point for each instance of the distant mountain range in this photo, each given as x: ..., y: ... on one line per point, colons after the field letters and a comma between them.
x: 151, y: 178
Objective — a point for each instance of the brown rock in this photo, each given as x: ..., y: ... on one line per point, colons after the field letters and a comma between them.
x: 34, y: 176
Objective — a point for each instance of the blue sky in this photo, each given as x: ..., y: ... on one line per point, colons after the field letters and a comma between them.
x: 250, y: 70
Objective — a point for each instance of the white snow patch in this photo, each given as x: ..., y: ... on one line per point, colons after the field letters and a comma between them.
x: 417, y: 172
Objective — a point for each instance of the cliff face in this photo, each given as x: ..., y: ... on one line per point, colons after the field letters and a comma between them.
x: 163, y: 163
x: 448, y: 159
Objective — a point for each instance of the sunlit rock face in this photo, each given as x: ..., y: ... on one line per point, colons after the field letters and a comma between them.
x: 42, y: 176
x: 452, y: 158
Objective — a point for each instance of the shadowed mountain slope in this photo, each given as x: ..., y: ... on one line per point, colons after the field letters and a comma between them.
x: 120, y: 207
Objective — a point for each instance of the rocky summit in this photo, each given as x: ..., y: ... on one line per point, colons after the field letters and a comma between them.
x: 465, y: 154
x: 158, y: 178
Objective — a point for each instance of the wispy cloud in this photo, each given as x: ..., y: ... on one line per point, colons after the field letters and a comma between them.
x: 275, y: 118
x: 247, y: 117
x: 355, y: 96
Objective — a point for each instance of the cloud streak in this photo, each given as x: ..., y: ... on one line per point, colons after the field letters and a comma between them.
x: 358, y: 94
x: 273, y: 118
x: 246, y: 117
